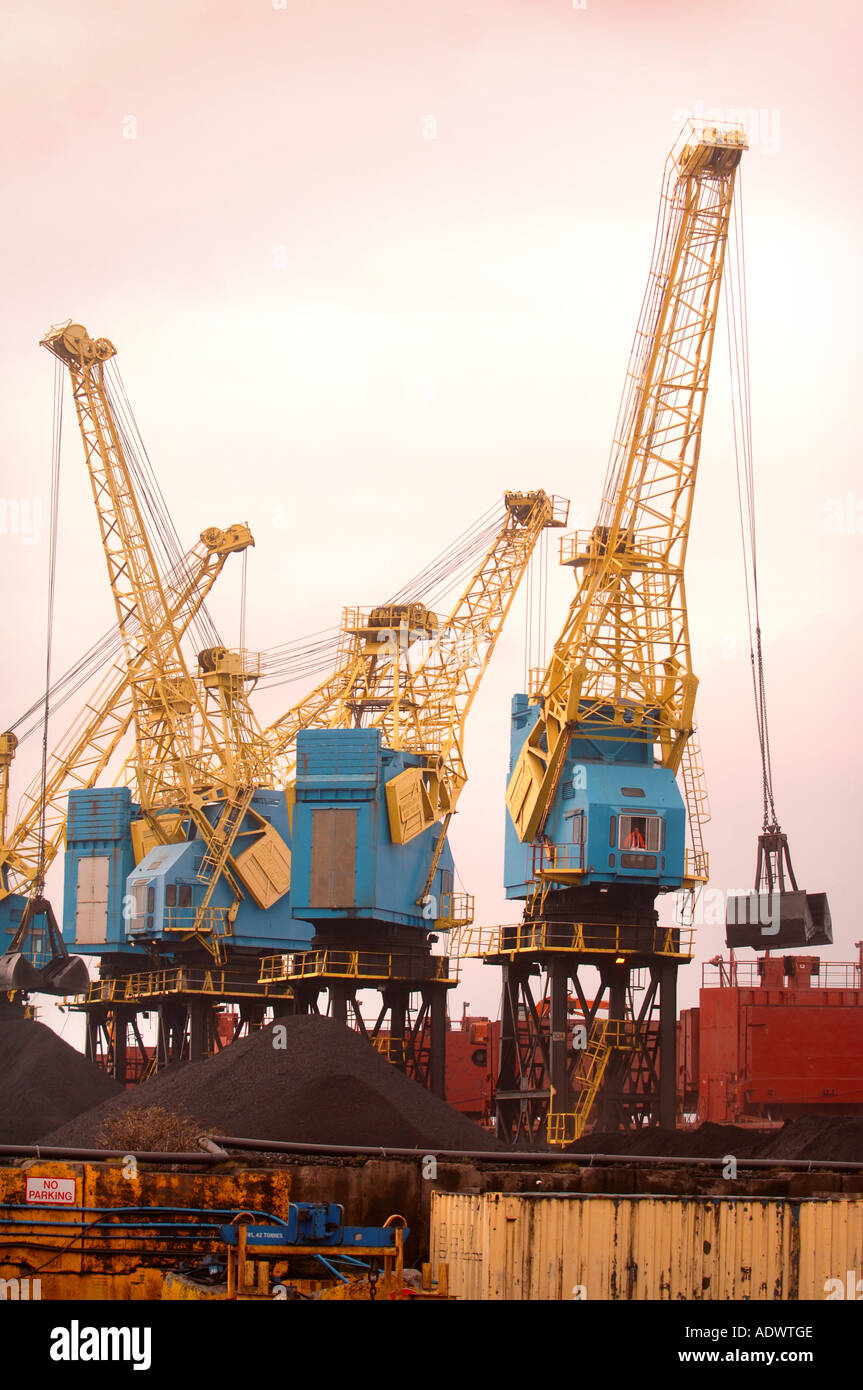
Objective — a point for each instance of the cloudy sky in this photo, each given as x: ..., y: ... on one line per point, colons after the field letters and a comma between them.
x: 368, y: 263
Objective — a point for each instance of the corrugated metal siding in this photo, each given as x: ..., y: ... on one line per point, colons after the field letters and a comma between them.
x: 504, y: 1246
x: 831, y: 1244
x: 337, y: 759
x: 103, y: 813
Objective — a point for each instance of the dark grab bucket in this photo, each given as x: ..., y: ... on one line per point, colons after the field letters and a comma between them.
x: 767, y: 921
x: 64, y: 975
x: 16, y: 972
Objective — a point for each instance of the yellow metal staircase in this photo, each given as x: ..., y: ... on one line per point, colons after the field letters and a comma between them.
x: 605, y: 1036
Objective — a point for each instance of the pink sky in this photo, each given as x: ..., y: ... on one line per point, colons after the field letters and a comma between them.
x: 319, y: 308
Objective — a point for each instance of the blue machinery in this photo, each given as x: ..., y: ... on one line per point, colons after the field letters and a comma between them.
x: 341, y: 882
x: 214, y: 1245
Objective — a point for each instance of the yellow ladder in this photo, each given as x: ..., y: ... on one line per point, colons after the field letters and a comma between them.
x: 697, y: 804
x: 606, y: 1036
x: 222, y: 842
x: 213, y: 864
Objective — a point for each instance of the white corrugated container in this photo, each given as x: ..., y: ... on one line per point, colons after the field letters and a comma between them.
x: 546, y: 1246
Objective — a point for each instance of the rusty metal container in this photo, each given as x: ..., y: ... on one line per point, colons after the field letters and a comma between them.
x: 501, y: 1246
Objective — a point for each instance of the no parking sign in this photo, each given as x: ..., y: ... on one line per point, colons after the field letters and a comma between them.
x: 53, y: 1192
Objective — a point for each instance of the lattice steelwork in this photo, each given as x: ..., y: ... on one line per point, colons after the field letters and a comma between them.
x: 421, y: 705
x: 165, y: 700
x: 621, y: 672
x: 624, y: 654
x: 86, y: 750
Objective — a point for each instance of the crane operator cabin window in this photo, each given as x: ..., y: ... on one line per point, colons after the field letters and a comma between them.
x: 642, y: 832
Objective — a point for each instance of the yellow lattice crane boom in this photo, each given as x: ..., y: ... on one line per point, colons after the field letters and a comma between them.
x: 8, y: 745
x: 622, y: 660
x: 428, y: 713
x: 182, y: 761
x: 371, y: 642
x: 167, y: 704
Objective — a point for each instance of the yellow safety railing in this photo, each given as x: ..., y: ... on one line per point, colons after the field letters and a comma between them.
x: 641, y: 552
x: 352, y: 965
x: 590, y: 937
x: 182, y: 919
x: 152, y: 983
x: 696, y: 865
x: 392, y: 1049
x: 274, y: 969
x: 551, y: 859
x: 456, y: 910
x: 472, y: 943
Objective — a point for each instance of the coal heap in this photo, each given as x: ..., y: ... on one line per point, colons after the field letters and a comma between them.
x: 707, y: 1141
x: 833, y: 1138
x: 328, y: 1085
x: 43, y: 1081
x: 838, y: 1138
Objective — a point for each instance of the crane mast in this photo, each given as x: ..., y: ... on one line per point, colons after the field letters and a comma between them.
x: 183, y: 761
x: 422, y: 706
x: 362, y: 668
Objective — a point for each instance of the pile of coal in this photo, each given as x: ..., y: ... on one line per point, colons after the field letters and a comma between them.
x: 44, y: 1082
x: 325, y: 1085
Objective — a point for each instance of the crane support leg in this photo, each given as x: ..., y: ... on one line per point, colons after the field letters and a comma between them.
x: 667, y: 1043
x: 437, y: 1061
x: 558, y: 1066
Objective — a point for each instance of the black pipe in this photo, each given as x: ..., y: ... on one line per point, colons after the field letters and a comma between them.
x: 143, y: 1156
x: 525, y: 1156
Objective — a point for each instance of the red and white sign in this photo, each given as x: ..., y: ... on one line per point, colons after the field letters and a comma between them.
x: 51, y: 1192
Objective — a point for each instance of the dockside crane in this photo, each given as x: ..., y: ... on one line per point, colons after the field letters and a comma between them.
x: 596, y: 822
x: 201, y: 833
x: 181, y: 765
x: 376, y: 787
x: 166, y: 703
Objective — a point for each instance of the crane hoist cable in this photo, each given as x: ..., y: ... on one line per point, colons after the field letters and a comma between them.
x: 60, y: 973
x: 174, y: 564
x: 738, y: 353
x: 162, y: 530
x: 89, y: 666
x: 302, y: 658
x: 454, y: 564
x: 56, y: 445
